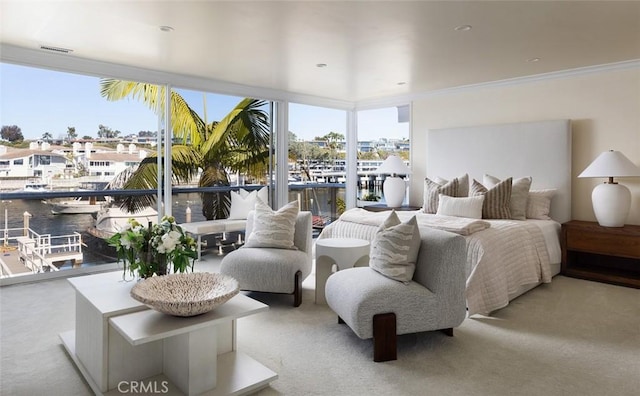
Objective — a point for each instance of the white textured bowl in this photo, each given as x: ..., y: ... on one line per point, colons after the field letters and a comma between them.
x: 186, y: 294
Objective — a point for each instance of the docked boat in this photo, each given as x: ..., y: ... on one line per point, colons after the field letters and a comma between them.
x: 112, y: 219
x: 76, y: 205
x: 34, y: 185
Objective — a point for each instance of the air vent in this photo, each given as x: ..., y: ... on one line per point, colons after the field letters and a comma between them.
x: 56, y: 49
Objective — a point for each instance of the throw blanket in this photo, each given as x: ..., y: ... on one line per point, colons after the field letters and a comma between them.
x: 503, y: 257
x: 458, y: 225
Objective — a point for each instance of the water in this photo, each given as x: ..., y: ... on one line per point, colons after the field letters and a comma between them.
x: 97, y: 251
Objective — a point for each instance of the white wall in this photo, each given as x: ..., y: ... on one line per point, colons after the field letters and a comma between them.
x: 604, y: 108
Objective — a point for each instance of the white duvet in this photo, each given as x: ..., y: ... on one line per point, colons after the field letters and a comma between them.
x: 501, y: 257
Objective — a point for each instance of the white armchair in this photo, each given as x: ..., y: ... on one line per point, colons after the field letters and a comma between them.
x: 273, y: 270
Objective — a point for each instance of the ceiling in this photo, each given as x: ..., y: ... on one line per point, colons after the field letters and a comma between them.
x: 372, y: 50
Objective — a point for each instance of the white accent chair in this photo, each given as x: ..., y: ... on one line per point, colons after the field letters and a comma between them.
x: 273, y: 270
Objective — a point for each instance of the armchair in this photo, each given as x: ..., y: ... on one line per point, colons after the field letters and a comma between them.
x: 273, y: 270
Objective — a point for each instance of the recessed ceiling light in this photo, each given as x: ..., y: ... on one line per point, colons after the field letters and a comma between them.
x: 531, y: 60
x: 56, y: 49
x: 166, y: 28
x: 321, y: 65
x: 462, y: 28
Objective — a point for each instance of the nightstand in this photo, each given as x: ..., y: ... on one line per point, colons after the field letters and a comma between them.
x: 603, y: 254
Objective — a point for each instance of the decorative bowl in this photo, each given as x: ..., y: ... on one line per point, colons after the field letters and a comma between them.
x: 185, y: 294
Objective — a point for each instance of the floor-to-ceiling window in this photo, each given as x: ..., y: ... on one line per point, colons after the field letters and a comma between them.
x: 87, y: 139
x: 317, y: 160
x: 381, y: 133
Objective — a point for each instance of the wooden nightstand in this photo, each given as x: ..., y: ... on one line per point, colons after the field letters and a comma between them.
x: 604, y: 254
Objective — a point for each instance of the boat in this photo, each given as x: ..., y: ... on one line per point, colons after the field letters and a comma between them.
x: 34, y: 185
x: 76, y: 205
x: 112, y: 219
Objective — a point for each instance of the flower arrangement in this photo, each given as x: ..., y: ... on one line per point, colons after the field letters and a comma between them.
x: 148, y: 250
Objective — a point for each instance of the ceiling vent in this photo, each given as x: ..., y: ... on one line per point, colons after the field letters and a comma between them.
x: 56, y: 49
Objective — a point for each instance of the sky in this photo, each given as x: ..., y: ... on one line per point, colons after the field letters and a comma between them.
x: 40, y: 101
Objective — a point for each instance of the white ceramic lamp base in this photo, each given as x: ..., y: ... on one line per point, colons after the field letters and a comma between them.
x: 611, y: 204
x: 394, y: 190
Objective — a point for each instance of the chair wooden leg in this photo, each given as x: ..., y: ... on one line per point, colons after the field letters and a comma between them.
x: 297, y: 290
x: 448, y: 331
x: 385, y: 344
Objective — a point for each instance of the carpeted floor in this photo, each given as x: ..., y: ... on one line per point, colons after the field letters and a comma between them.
x: 571, y: 337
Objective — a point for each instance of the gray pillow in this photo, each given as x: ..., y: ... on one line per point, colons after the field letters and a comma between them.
x: 497, y: 200
x: 519, y: 195
x: 463, y: 184
x: 432, y: 191
x: 273, y: 229
x: 394, y: 249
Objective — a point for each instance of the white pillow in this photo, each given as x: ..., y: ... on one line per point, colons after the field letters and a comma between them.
x: 273, y: 229
x: 470, y: 207
x: 243, y: 201
x: 241, y: 206
x: 539, y: 204
x: 394, y: 249
x: 263, y: 194
x: 519, y: 194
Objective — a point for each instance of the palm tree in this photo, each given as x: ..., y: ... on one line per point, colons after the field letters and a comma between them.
x: 237, y: 143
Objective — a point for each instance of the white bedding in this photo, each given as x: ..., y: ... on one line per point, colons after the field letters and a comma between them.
x: 500, y: 259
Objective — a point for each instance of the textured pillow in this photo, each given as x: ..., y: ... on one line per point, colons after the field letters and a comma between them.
x: 432, y: 190
x: 463, y: 184
x: 470, y: 207
x: 394, y: 249
x: 497, y: 199
x: 519, y: 195
x: 273, y: 229
x: 539, y: 204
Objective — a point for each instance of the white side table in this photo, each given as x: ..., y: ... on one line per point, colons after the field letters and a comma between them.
x: 341, y: 252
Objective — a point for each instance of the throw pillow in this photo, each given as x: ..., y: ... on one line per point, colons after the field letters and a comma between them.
x: 539, y: 204
x: 463, y: 184
x: 470, y: 207
x: 432, y: 191
x: 273, y: 229
x: 519, y: 195
x: 497, y: 200
x: 394, y: 249
x: 243, y: 201
x: 263, y: 194
x: 242, y: 205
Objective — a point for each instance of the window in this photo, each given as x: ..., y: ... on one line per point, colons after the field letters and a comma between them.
x: 381, y: 132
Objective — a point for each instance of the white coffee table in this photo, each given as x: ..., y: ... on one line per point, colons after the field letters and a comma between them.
x: 119, y: 341
x: 339, y: 252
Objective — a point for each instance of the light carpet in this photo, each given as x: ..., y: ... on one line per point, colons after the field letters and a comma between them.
x: 570, y: 337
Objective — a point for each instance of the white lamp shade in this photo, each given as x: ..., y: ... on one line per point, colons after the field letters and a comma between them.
x: 611, y: 164
x: 393, y: 165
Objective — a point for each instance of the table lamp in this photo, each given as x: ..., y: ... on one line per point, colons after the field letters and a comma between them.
x: 611, y: 201
x: 394, y: 187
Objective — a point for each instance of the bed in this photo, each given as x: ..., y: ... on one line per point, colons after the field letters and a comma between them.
x: 505, y: 258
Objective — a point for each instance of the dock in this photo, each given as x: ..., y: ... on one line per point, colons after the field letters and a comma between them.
x: 34, y: 253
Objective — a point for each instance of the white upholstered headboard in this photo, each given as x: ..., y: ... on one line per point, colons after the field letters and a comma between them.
x: 541, y: 150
